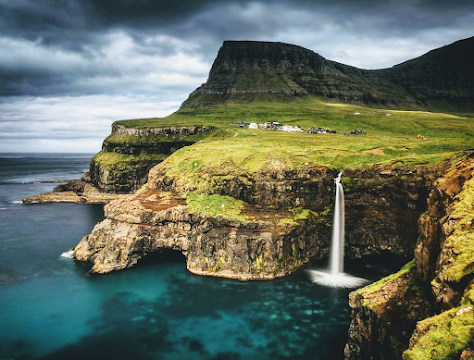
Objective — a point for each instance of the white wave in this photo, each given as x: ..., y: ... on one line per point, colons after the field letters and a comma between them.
x: 336, y: 280
x: 16, y: 202
x: 3, y: 208
x: 68, y: 254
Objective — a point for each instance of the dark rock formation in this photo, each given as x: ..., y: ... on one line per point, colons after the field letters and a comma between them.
x: 128, y: 154
x: 439, y: 281
x: 76, y: 186
x: 152, y: 220
x: 243, y: 70
x: 442, y: 75
x: 247, y: 70
x: 382, y: 204
x: 384, y: 316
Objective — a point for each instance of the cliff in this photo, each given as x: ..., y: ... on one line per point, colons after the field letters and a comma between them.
x: 265, y: 236
x: 255, y: 205
x: 129, y: 153
x: 425, y: 310
x: 245, y: 71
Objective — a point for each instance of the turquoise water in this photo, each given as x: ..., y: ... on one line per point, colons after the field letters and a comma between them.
x: 51, y: 309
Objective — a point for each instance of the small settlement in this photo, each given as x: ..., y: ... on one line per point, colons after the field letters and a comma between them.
x: 276, y: 126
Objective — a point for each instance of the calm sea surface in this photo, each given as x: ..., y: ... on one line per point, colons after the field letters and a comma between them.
x: 51, y: 309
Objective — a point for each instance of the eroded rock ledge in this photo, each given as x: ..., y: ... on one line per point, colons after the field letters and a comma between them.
x: 128, y: 154
x: 74, y: 191
x: 153, y: 220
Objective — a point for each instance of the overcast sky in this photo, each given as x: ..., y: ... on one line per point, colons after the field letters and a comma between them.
x: 69, y: 68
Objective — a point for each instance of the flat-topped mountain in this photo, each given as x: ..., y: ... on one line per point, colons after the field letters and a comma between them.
x: 248, y: 70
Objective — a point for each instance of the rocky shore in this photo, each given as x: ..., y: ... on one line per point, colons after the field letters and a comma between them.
x: 74, y: 191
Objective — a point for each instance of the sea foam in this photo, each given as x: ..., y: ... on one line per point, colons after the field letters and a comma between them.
x: 68, y: 254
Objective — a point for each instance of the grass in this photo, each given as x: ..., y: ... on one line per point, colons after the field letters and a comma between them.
x: 151, y: 139
x: 461, y: 241
x: 378, y: 285
x: 444, y: 336
x: 215, y: 205
x: 123, y: 162
x: 407, y: 137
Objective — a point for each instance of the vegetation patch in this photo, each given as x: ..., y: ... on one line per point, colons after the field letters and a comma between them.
x: 378, y: 285
x: 444, y: 336
x: 215, y: 205
x: 123, y: 162
x: 460, y: 242
x: 258, y: 265
x: 300, y: 213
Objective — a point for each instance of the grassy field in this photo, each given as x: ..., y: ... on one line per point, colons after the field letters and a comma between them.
x: 405, y: 137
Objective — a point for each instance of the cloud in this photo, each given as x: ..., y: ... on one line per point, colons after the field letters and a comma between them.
x: 63, y: 120
x: 116, y: 63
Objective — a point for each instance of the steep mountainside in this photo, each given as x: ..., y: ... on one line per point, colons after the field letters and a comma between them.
x: 445, y: 74
x: 248, y: 70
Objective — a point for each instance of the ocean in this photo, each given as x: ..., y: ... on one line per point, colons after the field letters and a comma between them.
x: 50, y: 308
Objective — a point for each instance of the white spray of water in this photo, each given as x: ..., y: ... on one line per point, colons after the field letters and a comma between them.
x: 68, y: 254
x: 336, y: 276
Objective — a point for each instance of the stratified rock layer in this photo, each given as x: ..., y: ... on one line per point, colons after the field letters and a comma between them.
x: 128, y: 154
x: 385, y: 314
x: 248, y: 70
x: 151, y: 220
x: 382, y: 205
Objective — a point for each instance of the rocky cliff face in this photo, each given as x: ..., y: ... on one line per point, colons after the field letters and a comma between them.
x: 386, y: 314
x: 383, y: 203
x: 128, y: 154
x: 258, y: 248
x: 442, y: 75
x: 247, y: 70
x: 273, y: 238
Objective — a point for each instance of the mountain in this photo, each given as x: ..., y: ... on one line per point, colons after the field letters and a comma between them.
x: 249, y: 70
x: 445, y: 74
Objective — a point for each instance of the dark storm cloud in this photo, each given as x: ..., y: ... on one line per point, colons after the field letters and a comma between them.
x: 48, y: 18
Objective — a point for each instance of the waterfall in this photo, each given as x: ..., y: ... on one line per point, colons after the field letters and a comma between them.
x: 335, y: 276
x: 336, y: 265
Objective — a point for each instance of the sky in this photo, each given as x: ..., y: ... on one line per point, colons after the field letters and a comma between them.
x: 69, y: 68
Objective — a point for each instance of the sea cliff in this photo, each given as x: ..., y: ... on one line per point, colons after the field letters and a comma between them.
x: 268, y: 237
x: 425, y: 311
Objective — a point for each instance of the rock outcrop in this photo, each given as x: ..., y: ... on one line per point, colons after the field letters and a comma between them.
x: 74, y: 191
x: 285, y: 223
x: 128, y: 154
x: 426, y: 307
x: 383, y: 203
x: 244, y: 71
x: 261, y: 247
